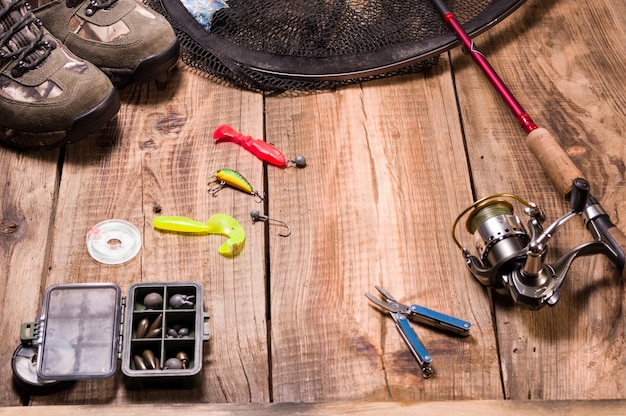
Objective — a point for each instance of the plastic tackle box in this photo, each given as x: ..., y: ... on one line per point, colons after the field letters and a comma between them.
x: 157, y: 331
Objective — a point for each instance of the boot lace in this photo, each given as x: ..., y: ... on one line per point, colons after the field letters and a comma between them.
x: 21, y: 35
x: 94, y: 5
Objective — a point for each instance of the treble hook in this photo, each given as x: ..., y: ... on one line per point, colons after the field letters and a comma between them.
x: 257, y: 216
x: 213, y: 190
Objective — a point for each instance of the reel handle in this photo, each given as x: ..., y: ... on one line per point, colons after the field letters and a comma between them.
x: 579, y: 195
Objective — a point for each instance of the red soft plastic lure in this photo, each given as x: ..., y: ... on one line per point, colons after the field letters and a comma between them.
x: 259, y: 148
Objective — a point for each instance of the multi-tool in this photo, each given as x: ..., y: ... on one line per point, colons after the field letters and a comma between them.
x: 401, y: 315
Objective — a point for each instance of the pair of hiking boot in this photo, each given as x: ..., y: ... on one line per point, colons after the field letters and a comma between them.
x: 60, y: 64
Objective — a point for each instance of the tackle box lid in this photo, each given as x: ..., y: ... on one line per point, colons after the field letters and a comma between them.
x: 78, y: 334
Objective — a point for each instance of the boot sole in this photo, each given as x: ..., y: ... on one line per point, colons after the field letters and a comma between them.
x: 147, y: 70
x: 81, y: 127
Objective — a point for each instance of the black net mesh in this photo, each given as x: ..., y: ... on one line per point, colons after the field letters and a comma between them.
x: 281, y: 45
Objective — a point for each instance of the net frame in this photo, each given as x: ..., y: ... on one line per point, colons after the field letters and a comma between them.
x: 227, y: 58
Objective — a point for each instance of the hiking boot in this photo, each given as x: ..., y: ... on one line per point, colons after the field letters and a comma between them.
x: 126, y: 40
x: 48, y: 96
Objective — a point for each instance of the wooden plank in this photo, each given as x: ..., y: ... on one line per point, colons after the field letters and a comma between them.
x: 29, y: 187
x: 157, y: 160
x: 355, y: 408
x: 386, y: 176
x: 564, y: 61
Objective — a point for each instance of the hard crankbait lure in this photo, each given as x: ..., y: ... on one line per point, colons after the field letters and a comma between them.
x: 261, y: 149
x: 221, y: 224
x: 232, y: 178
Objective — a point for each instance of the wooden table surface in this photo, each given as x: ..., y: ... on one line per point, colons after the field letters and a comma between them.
x: 391, y: 163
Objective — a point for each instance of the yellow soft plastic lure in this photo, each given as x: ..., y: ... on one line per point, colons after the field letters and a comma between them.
x: 221, y: 224
x: 234, y: 179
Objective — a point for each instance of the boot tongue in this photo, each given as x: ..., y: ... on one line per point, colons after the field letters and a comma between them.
x: 20, y: 34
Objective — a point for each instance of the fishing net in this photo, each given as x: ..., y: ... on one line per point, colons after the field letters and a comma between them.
x: 280, y: 45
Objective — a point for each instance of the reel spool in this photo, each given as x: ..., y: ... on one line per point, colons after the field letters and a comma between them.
x: 499, y: 236
x: 511, y: 257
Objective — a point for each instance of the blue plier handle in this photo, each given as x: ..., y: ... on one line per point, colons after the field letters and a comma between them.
x: 401, y: 315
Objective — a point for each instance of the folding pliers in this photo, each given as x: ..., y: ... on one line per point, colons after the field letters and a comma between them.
x: 401, y: 315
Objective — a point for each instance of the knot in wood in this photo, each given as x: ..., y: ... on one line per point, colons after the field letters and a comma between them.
x: 7, y: 227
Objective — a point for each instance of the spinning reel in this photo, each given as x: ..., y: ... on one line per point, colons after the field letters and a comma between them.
x: 512, y: 258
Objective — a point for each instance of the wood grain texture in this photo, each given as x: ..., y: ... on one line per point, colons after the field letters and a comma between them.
x: 157, y: 160
x: 27, y: 211
x: 386, y: 174
x: 355, y: 408
x: 575, y: 349
x: 391, y: 163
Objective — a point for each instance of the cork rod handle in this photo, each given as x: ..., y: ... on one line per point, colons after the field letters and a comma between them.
x: 554, y: 160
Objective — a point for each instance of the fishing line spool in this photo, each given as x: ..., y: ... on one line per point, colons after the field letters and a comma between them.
x: 511, y: 256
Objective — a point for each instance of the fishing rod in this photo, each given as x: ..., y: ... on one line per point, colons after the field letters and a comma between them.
x: 510, y: 258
